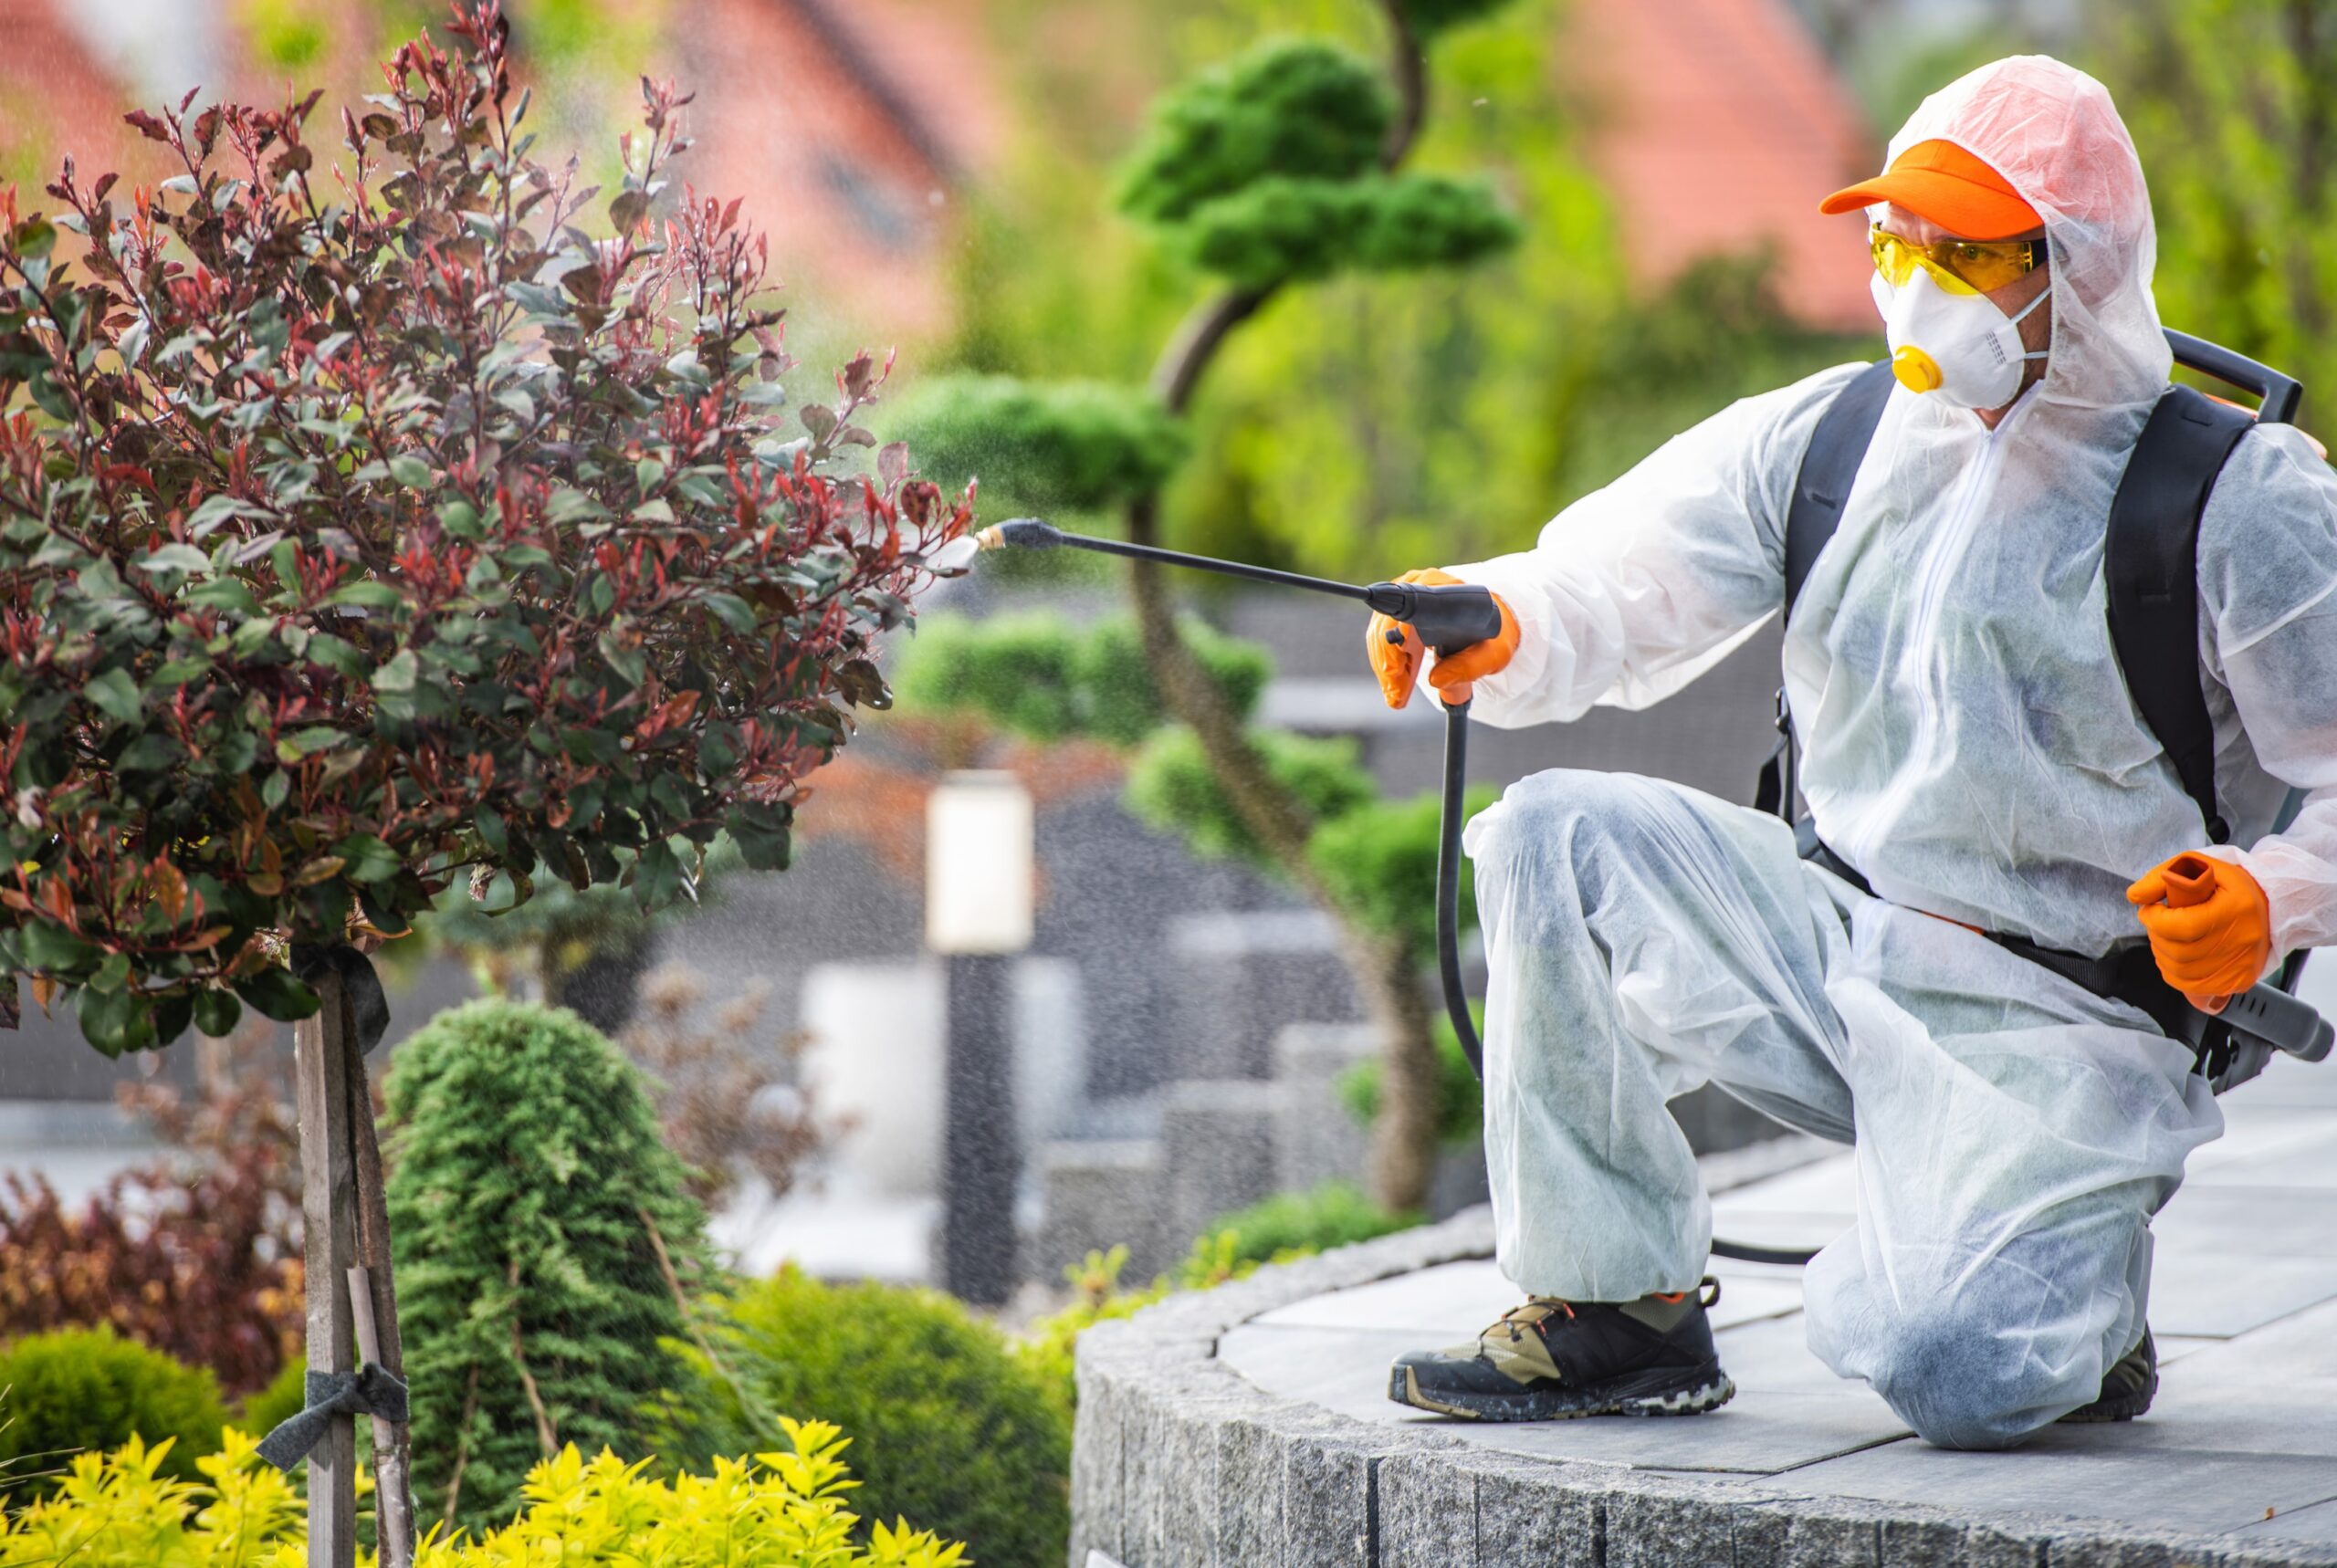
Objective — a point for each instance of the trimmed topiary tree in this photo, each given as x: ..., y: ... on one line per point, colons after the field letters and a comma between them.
x: 1283, y: 166
x: 81, y: 1389
x: 540, y: 1224
x: 949, y: 1427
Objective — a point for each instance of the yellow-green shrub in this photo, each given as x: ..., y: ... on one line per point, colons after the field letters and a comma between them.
x: 783, y: 1509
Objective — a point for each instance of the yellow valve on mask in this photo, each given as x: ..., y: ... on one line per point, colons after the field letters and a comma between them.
x: 1916, y: 371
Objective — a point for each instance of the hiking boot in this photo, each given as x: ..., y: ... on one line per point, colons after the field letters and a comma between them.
x: 1551, y: 1360
x: 2127, y: 1388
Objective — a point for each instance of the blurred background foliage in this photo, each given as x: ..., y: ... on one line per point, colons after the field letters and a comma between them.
x: 1376, y: 421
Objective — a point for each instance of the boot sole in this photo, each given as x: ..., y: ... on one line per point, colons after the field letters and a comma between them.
x: 2102, y: 1412
x: 1645, y: 1394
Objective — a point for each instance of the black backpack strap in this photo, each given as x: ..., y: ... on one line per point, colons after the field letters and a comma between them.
x: 2151, y: 570
x: 1828, y: 469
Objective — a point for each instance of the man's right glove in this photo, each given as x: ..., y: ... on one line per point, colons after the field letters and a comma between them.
x: 2210, y: 926
x: 1395, y: 660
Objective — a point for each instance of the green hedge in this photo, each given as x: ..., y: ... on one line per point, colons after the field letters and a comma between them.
x: 948, y: 1427
x: 87, y: 1388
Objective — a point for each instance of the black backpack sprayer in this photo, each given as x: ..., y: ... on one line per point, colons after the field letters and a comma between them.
x: 1448, y: 618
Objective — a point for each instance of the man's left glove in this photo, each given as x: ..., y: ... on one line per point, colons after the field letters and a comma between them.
x: 2210, y: 927
x: 1397, y: 663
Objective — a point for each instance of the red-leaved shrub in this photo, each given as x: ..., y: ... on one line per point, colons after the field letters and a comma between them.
x: 205, y: 1267
x: 381, y: 525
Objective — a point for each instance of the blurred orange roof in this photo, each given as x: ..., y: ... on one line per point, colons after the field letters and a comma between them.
x: 1719, y: 124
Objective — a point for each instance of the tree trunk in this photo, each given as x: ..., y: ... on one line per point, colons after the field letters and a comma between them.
x: 1404, y: 1136
x: 321, y: 1048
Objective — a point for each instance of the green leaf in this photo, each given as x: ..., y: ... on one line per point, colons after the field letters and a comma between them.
x: 112, y: 974
x: 173, y: 558
x: 115, y: 1021
x: 274, y: 993
x: 179, y: 671
x: 115, y: 694
x: 227, y: 593
x: 302, y: 743
x: 762, y: 835
x: 49, y: 948
x: 627, y: 661
x: 567, y: 506
x: 35, y: 237
x: 399, y: 673
x: 217, y: 1012
x: 345, y: 659
x: 216, y: 510
x: 367, y: 858
x: 731, y: 609
x: 411, y: 472
x: 151, y: 753
x: 366, y: 594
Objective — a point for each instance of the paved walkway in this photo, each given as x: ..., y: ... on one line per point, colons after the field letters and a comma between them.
x: 2241, y: 1446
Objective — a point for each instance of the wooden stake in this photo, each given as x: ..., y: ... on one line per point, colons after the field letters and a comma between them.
x: 378, y: 1335
x: 321, y: 1054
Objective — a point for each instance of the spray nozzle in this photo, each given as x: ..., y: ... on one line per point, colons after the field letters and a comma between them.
x: 1030, y: 532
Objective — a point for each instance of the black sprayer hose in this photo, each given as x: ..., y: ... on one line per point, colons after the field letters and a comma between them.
x: 1448, y: 882
x: 1384, y: 596
x: 1455, y: 810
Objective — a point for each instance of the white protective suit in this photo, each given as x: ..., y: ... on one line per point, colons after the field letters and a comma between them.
x: 1970, y: 748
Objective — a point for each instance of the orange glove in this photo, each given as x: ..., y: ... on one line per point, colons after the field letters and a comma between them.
x: 1397, y: 661
x: 2210, y: 926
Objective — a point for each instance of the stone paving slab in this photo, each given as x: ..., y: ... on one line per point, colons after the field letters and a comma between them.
x: 1281, y: 1381
x: 2211, y: 1493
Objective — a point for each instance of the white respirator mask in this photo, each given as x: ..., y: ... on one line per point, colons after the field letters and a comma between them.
x: 1958, y: 345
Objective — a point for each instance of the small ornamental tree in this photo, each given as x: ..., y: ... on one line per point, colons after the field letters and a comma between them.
x: 417, y: 520
x: 379, y: 528
x: 1282, y: 167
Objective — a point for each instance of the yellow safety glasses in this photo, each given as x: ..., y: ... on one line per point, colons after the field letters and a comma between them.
x: 1957, y: 265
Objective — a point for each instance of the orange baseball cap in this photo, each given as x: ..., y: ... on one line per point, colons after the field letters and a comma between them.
x: 1942, y: 183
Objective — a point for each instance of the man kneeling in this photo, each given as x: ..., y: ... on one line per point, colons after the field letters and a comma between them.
x: 1987, y: 796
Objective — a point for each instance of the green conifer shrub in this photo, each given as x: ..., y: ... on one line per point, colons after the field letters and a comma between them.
x: 948, y: 1427
x: 84, y: 1388
x: 526, y: 1175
